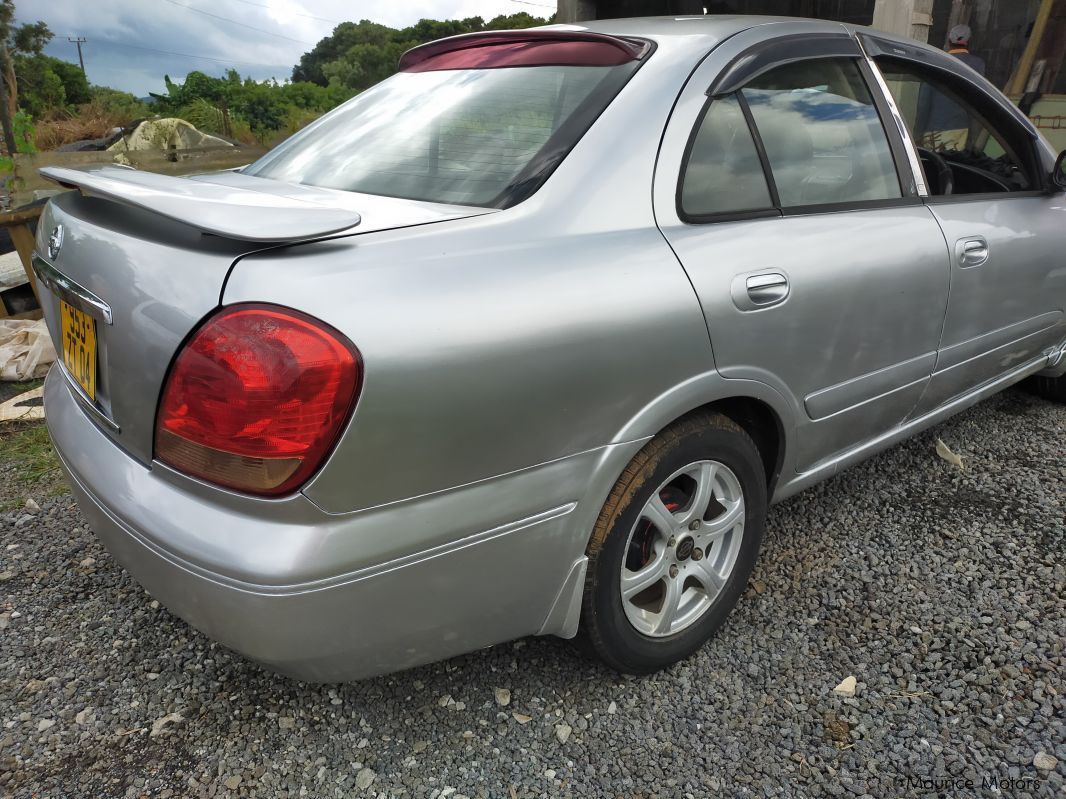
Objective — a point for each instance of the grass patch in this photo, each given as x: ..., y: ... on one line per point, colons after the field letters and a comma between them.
x: 29, y: 451
x: 9, y: 390
x: 28, y: 464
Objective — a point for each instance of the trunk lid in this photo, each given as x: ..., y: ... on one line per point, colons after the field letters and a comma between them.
x: 227, y: 210
x: 148, y: 261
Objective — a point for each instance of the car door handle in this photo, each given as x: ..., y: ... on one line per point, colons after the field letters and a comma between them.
x: 767, y: 289
x: 971, y: 252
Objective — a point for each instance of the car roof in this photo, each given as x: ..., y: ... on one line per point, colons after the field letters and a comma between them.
x: 712, y: 26
x: 717, y: 27
x: 700, y: 31
x: 693, y: 34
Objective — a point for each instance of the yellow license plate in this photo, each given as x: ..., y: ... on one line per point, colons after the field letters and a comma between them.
x: 79, y: 347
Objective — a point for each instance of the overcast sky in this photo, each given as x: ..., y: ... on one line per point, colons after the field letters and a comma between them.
x: 125, y: 37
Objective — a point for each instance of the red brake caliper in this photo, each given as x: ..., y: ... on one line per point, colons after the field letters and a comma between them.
x: 673, y: 498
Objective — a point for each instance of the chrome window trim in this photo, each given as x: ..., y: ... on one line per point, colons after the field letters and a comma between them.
x: 901, y: 126
x: 70, y: 292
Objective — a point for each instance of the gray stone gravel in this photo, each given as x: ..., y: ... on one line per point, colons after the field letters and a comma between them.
x: 942, y: 591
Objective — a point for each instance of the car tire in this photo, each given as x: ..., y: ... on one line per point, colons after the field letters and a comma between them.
x: 639, y: 629
x: 1050, y: 388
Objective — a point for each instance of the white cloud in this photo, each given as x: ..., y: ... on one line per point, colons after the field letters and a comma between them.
x: 126, y: 37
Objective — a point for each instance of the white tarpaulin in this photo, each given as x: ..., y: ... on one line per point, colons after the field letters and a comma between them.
x: 166, y: 134
x: 23, y: 408
x: 26, y: 349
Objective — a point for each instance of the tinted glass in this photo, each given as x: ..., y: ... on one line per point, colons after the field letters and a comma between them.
x: 979, y: 157
x: 723, y: 173
x: 822, y: 134
x: 453, y: 136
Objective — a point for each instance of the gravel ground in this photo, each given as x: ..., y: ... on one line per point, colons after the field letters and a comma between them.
x: 941, y: 590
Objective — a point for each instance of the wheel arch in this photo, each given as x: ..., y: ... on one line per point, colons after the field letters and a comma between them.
x: 762, y: 423
x: 759, y: 409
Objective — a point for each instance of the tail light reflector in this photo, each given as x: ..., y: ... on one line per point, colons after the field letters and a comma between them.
x: 257, y: 399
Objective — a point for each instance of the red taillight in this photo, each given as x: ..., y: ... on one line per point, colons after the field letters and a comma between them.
x: 257, y: 399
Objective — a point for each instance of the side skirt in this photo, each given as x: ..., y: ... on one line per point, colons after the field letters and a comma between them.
x: 837, y: 463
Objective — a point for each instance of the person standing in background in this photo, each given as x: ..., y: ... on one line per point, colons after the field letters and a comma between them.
x: 959, y: 46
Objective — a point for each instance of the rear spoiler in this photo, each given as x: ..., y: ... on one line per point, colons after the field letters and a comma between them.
x: 235, y: 213
x: 531, y: 47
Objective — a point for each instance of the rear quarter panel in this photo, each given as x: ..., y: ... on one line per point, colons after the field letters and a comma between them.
x: 487, y: 347
x: 497, y: 343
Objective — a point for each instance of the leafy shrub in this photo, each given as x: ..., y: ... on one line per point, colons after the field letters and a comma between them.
x: 122, y: 105
x: 25, y: 142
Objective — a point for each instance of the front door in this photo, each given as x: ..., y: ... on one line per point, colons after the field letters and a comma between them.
x: 819, y: 271
x: 1006, y: 236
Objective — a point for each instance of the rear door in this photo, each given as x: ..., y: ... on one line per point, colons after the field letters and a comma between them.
x: 797, y: 219
x: 1006, y: 235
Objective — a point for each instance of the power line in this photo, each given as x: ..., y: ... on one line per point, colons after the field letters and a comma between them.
x: 296, y: 13
x: 241, y: 24
x: 187, y: 55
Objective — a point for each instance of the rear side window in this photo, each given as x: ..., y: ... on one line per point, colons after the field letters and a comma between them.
x: 723, y: 173
x: 822, y: 134
x: 483, y: 126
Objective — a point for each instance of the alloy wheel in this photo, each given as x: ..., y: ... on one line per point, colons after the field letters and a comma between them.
x: 682, y: 548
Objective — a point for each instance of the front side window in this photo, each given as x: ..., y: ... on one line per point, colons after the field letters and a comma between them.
x: 481, y: 137
x: 822, y: 134
x: 961, y: 152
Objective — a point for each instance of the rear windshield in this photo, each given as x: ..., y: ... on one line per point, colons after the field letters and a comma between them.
x: 482, y: 137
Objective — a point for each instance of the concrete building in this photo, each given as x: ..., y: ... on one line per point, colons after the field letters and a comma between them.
x: 1001, y: 28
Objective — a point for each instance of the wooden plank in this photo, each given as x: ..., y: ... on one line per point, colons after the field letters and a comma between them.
x: 22, y: 238
x: 18, y: 225
x: 19, y: 215
x: 35, y: 314
x: 1017, y: 82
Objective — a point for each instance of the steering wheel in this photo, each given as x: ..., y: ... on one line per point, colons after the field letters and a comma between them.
x: 945, y: 179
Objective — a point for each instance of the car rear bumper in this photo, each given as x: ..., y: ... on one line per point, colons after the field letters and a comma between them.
x: 303, y: 604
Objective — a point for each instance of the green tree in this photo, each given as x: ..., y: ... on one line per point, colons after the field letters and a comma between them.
x: 48, y: 84
x: 29, y: 39
x: 75, y: 86
x: 514, y: 22
x: 358, y: 55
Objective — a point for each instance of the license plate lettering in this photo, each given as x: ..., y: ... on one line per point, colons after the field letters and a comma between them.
x: 79, y: 347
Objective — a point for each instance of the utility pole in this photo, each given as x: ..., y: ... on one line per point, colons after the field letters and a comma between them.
x: 78, y: 40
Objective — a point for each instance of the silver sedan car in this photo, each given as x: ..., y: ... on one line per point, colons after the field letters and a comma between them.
x: 525, y: 339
